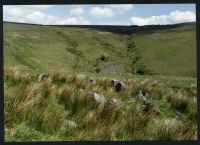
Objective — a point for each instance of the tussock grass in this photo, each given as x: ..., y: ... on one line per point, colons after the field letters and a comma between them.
x: 39, y: 110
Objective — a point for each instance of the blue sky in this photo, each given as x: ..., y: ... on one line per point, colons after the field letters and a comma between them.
x: 125, y: 14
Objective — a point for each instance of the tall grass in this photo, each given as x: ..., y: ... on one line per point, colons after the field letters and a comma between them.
x: 41, y: 109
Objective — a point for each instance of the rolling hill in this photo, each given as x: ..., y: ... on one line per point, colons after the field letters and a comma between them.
x: 159, y: 104
x: 165, y: 50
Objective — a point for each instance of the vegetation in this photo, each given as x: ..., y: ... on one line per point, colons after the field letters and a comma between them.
x: 37, y: 110
x: 170, y: 51
x: 62, y: 107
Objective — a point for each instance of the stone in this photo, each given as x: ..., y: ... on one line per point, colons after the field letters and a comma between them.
x: 114, y: 101
x: 141, y: 96
x: 68, y: 124
x: 120, y: 86
x: 99, y: 98
x: 92, y: 81
x: 43, y: 76
x: 114, y: 82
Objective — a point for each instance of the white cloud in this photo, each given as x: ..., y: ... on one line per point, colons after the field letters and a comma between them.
x: 14, y: 11
x: 33, y: 14
x: 121, y: 8
x: 22, y: 10
x: 101, y: 12
x: 73, y: 21
x: 38, y: 17
x: 77, y: 11
x: 172, y: 18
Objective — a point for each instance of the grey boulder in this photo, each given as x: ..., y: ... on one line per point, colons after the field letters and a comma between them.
x: 99, y: 98
x: 120, y: 86
x: 92, y: 81
x: 114, y: 101
x: 68, y: 124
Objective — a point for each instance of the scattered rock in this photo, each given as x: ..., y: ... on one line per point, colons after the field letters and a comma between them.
x: 43, y: 76
x: 120, y: 86
x: 114, y: 82
x: 92, y: 81
x: 141, y: 96
x: 99, y: 98
x: 114, y: 101
x: 68, y: 124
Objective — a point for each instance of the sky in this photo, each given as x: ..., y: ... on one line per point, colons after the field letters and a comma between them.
x: 108, y: 14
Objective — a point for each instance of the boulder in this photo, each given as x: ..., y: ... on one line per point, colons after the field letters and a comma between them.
x: 120, y: 86
x: 68, y: 124
x: 141, y: 96
x: 114, y: 101
x: 43, y: 76
x: 114, y: 82
x: 99, y: 98
x: 92, y: 81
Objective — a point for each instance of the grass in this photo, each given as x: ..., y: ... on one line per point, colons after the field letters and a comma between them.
x: 170, y: 51
x: 61, y: 107
x: 36, y: 111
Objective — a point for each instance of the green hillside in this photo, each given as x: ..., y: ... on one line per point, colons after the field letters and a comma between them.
x: 159, y: 104
x: 170, y: 51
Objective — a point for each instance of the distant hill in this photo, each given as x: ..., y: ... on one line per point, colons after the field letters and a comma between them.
x: 165, y: 49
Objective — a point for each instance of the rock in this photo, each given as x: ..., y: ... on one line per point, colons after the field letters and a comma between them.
x: 92, y: 81
x: 68, y: 124
x: 43, y: 76
x: 99, y: 98
x: 120, y: 86
x: 178, y: 114
x: 141, y: 96
x: 114, y: 82
x: 114, y: 101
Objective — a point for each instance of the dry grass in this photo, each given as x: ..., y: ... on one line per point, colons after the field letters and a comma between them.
x: 44, y: 107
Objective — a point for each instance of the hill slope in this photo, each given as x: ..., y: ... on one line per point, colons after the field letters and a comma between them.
x: 164, y: 51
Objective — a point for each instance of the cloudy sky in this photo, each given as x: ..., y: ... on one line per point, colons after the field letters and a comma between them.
x: 125, y: 14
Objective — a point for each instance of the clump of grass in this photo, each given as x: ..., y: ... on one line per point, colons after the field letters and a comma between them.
x: 110, y: 113
x: 168, y: 129
x: 178, y: 101
x: 58, y: 79
x: 136, y: 119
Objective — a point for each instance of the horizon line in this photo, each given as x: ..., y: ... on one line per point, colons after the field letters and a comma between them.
x: 93, y: 24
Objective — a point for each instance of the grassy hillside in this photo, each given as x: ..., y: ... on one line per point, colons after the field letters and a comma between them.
x: 40, y: 111
x: 63, y: 106
x: 170, y: 51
